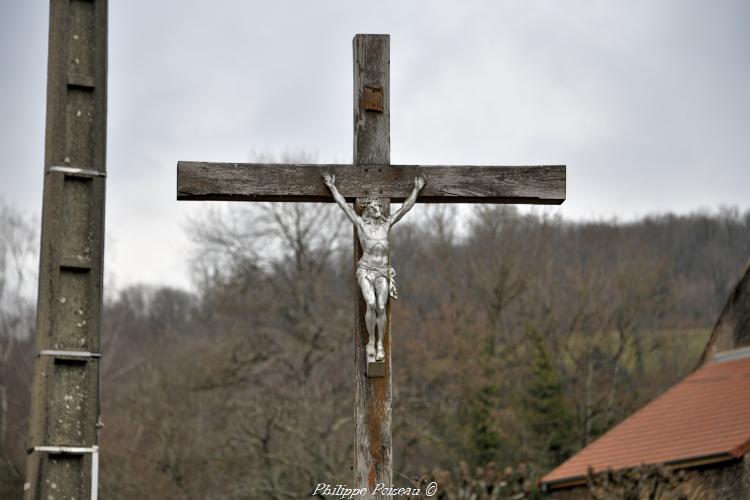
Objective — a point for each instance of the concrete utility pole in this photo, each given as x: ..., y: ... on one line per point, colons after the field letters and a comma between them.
x: 62, y: 445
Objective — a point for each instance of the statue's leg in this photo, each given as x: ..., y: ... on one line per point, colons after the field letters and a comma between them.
x: 381, y: 290
x: 368, y: 292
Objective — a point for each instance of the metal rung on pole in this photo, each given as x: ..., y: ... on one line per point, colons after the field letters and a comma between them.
x: 68, y: 354
x: 88, y: 172
x: 75, y: 450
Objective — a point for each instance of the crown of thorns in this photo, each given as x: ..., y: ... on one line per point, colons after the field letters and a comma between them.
x: 372, y: 202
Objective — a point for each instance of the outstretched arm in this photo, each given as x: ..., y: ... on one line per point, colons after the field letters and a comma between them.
x: 409, y: 202
x: 330, y: 182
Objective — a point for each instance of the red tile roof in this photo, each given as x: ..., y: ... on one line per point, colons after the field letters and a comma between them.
x: 705, y: 415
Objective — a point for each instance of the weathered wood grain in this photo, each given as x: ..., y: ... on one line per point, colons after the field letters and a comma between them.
x: 543, y: 184
x: 373, y: 462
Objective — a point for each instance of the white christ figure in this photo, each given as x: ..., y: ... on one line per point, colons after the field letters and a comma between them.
x: 375, y: 276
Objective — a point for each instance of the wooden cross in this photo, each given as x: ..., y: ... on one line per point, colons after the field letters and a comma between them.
x: 371, y: 175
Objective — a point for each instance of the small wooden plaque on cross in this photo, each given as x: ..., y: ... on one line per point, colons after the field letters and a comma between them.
x: 371, y: 176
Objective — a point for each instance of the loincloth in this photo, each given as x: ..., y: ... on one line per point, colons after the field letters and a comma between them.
x: 375, y: 274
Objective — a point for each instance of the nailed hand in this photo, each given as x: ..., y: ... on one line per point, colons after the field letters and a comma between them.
x: 329, y: 179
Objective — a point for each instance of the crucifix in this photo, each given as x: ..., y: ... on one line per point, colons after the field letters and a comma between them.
x: 371, y: 183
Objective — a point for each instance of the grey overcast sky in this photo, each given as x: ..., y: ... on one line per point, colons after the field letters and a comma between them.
x: 647, y: 102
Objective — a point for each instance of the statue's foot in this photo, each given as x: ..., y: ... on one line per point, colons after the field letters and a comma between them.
x: 381, y: 354
x: 370, y: 350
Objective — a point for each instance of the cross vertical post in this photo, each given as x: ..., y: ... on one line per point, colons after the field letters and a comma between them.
x: 372, y: 150
x: 63, y: 453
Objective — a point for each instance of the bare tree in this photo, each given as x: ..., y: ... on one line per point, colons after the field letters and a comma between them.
x: 17, y: 272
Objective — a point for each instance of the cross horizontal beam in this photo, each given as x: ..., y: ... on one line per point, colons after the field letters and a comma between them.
x: 543, y: 184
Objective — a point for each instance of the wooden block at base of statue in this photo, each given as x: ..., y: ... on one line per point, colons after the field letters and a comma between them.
x: 375, y: 369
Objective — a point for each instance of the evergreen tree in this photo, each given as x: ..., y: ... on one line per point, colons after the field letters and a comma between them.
x: 548, y: 419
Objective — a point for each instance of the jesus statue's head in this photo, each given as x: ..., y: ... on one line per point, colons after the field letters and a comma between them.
x: 372, y: 208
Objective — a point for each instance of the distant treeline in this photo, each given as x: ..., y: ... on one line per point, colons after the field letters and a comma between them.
x: 517, y: 339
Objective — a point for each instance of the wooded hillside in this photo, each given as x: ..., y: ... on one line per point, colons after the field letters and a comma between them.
x: 517, y: 339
